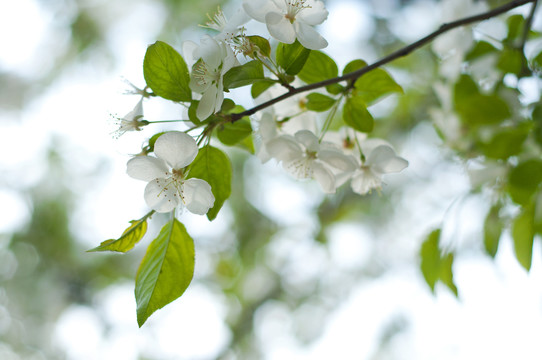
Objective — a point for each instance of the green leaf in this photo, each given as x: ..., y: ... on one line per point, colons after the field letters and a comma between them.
x: 261, y: 43
x: 493, y: 227
x: 292, y: 57
x: 354, y: 65
x: 479, y: 50
x: 511, y: 61
x: 318, y: 67
x: 166, y: 72
x: 482, y: 109
x: 524, y: 179
x: 166, y: 270
x: 523, y: 235
x: 374, y: 85
x: 129, y: 238
x: 356, y: 115
x: 243, y: 75
x: 507, y: 142
x: 319, y: 102
x: 260, y: 86
x: 335, y: 89
x: 232, y: 133
x: 430, y: 259
x: 446, y: 274
x: 213, y: 166
x: 515, y: 28
x: 537, y: 62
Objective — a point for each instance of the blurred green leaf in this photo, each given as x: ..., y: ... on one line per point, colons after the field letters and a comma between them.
x: 292, y: 57
x: 318, y: 67
x: 446, y: 274
x: 213, y: 166
x: 480, y: 49
x: 511, y: 61
x: 260, y: 86
x: 493, y: 227
x: 243, y: 75
x: 524, y: 179
x: 166, y: 72
x: 232, y: 133
x: 374, y: 85
x: 354, y: 65
x: 523, y: 235
x: 319, y: 102
x: 507, y: 142
x: 166, y: 270
x: 430, y: 259
x: 356, y: 115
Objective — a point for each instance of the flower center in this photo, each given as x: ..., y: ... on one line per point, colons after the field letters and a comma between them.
x: 205, y: 75
x: 293, y: 7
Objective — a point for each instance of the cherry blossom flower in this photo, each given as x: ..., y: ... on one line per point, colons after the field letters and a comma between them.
x: 287, y: 20
x: 227, y: 28
x: 215, y: 59
x: 131, y: 121
x: 380, y: 159
x: 167, y: 186
x: 303, y: 156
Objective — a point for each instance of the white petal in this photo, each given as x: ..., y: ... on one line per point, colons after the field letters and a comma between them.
x: 210, y: 52
x: 197, y: 196
x: 146, y: 168
x: 338, y: 160
x: 308, y: 140
x: 257, y: 9
x: 324, y: 177
x: 161, y: 195
x: 267, y: 127
x: 284, y: 148
x: 364, y: 181
x: 207, y: 103
x: 280, y: 28
x: 176, y: 148
x: 189, y: 50
x: 314, y: 15
x: 136, y: 112
x: 383, y: 160
x: 308, y: 37
x: 368, y: 145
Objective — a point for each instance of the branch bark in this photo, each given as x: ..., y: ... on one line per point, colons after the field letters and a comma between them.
x: 391, y: 57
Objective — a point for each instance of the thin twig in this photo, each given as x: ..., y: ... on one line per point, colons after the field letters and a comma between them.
x: 393, y: 56
x: 527, y: 27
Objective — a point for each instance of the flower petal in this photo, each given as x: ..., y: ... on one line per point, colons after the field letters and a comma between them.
x: 383, y: 160
x: 308, y: 140
x: 197, y: 196
x: 161, y: 195
x: 146, y: 168
x: 210, y: 52
x: 338, y: 160
x: 207, y: 103
x: 308, y: 37
x: 176, y: 148
x: 280, y: 28
x: 257, y: 9
x: 364, y: 181
x: 284, y: 148
x: 324, y: 177
x: 315, y: 14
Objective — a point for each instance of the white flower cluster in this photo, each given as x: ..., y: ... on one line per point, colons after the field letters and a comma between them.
x: 334, y: 160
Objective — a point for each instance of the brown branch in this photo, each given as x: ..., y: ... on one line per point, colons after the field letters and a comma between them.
x: 528, y: 24
x: 393, y: 56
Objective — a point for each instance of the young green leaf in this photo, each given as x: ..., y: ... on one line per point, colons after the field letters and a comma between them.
x: 507, y: 142
x: 446, y: 274
x: 430, y: 259
x: 354, y: 65
x: 166, y: 270
x: 524, y: 179
x: 356, y: 115
x: 374, y: 85
x: 523, y: 235
x: 243, y: 75
x: 130, y: 237
x: 318, y: 67
x: 319, y: 102
x: 292, y: 57
x: 260, y: 86
x: 232, y: 133
x: 213, y: 166
x: 493, y: 227
x: 261, y: 43
x: 166, y: 73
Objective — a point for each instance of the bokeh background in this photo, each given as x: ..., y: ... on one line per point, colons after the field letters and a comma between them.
x: 284, y: 272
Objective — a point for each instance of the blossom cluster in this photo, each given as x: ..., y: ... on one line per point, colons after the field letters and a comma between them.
x: 288, y: 133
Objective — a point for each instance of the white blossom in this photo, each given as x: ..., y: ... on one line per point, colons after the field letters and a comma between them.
x: 380, y: 159
x: 167, y: 186
x: 287, y: 20
x: 303, y: 156
x: 215, y: 59
x: 131, y: 121
x: 227, y: 28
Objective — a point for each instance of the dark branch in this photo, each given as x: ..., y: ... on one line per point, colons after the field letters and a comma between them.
x: 393, y: 56
x: 528, y: 24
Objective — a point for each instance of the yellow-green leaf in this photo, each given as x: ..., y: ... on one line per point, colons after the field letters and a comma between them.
x: 129, y: 238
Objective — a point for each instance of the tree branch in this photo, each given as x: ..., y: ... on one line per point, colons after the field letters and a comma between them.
x: 528, y: 24
x: 393, y: 56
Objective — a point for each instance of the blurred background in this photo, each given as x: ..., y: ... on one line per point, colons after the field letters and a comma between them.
x: 284, y: 272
